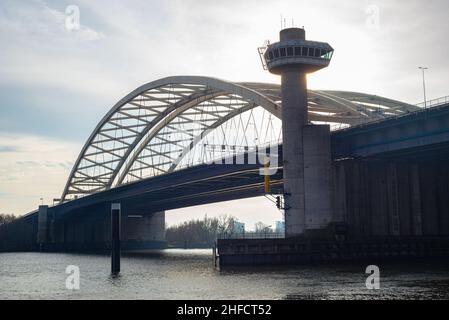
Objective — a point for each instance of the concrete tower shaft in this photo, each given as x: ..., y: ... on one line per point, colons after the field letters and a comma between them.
x: 294, y: 118
x: 292, y: 58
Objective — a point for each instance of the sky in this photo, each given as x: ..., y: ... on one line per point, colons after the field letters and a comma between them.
x: 56, y: 82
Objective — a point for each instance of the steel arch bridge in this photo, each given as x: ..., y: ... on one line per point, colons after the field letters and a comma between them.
x: 177, y: 122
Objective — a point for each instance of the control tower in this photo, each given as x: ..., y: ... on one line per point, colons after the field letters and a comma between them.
x: 307, y: 199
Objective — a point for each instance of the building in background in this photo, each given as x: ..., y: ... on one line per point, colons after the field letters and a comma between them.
x: 239, y: 227
x: 280, y: 227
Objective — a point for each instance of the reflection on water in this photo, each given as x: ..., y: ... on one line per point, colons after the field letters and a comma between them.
x: 189, y: 274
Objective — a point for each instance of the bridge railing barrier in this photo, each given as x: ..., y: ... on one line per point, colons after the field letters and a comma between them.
x: 434, y: 102
x: 431, y: 104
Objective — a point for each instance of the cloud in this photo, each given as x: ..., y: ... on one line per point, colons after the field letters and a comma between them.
x: 39, y: 169
x: 4, y: 149
x: 37, y: 48
x: 36, y: 20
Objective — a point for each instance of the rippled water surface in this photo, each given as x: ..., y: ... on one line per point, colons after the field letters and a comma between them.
x: 189, y: 274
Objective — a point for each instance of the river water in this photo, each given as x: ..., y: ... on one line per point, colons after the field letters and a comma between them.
x: 189, y: 274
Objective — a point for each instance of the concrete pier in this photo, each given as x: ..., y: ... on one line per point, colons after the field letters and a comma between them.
x: 306, y: 251
x: 142, y: 232
x: 382, y: 210
x: 317, y: 177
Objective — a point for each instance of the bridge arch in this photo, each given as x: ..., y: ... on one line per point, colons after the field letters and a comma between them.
x: 132, y: 137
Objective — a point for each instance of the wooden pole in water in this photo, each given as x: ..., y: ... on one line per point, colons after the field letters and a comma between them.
x: 115, y: 238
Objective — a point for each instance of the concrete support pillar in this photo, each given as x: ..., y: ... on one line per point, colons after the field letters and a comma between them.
x: 294, y: 118
x: 365, y: 201
x: 393, y: 197
x: 317, y: 176
x: 415, y: 191
x: 404, y: 201
x: 443, y: 199
x: 58, y: 232
x: 144, y: 228
x: 379, y: 201
x: 144, y: 231
x: 356, y: 199
x: 156, y: 225
x: 430, y: 223
x: 339, y: 195
x: 42, y: 226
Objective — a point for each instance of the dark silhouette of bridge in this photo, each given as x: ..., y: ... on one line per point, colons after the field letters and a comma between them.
x: 153, y: 151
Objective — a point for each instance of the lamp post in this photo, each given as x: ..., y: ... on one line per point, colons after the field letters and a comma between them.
x: 423, y: 69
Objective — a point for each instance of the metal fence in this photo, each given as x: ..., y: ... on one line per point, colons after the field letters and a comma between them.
x: 434, y: 102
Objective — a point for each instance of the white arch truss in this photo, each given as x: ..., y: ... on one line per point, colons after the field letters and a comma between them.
x: 150, y: 131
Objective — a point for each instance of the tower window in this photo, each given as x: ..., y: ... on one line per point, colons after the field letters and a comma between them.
x: 323, y: 53
x: 305, y: 51
x: 283, y: 52
x: 297, y: 51
x: 276, y: 53
x: 311, y: 52
x: 290, y: 51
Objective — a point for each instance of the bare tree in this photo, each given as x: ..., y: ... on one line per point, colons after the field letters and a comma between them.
x: 261, y: 227
x: 6, y: 218
x: 226, y: 224
x: 200, y: 233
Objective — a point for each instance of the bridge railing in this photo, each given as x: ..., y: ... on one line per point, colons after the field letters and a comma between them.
x: 434, y: 102
x: 252, y: 235
x: 431, y: 104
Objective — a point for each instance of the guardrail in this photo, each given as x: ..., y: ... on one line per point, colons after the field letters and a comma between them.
x: 434, y: 102
x: 431, y: 104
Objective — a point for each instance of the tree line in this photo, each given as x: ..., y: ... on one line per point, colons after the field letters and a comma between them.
x: 200, y: 233
x: 6, y: 218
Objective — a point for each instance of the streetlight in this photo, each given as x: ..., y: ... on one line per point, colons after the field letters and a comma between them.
x: 423, y: 69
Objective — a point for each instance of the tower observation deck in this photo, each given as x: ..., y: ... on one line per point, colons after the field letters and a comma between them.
x: 307, y: 198
x: 294, y: 51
